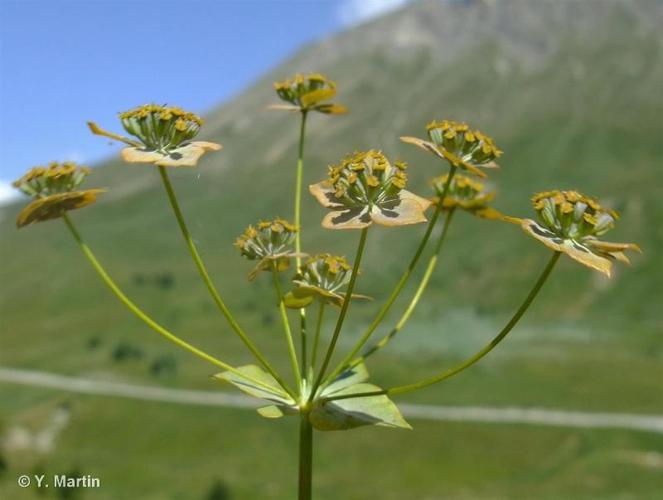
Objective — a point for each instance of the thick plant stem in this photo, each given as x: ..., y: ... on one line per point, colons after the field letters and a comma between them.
x: 341, y: 316
x: 210, y: 286
x: 139, y: 313
x: 401, y: 282
x: 286, y: 328
x: 316, y: 339
x: 298, y: 224
x: 432, y: 264
x: 305, y: 457
x: 477, y: 356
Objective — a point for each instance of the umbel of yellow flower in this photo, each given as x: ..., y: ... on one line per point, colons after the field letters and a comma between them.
x: 270, y: 243
x: 466, y: 194
x: 307, y: 93
x: 571, y: 222
x: 54, y: 191
x: 366, y: 188
x: 163, y: 136
x: 321, y: 277
x: 460, y: 145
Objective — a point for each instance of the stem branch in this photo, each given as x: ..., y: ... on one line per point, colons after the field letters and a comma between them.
x: 401, y: 282
x: 142, y: 315
x: 298, y: 224
x: 286, y: 327
x: 316, y: 339
x: 477, y: 356
x: 432, y: 264
x: 341, y: 316
x: 210, y: 286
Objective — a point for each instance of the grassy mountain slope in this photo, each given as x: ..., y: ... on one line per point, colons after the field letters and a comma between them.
x: 570, y: 90
x: 571, y: 104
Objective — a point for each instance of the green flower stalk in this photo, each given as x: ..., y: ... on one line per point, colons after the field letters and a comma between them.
x: 305, y: 93
x: 477, y: 150
x: 465, y: 194
x: 164, y: 139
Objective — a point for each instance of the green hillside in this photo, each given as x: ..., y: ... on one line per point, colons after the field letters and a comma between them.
x: 571, y: 91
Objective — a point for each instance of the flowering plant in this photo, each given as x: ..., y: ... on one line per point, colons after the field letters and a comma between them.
x: 361, y: 192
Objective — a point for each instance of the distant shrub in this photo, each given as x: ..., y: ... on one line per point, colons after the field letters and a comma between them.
x: 93, y: 343
x: 218, y: 491
x: 163, y: 365
x: 164, y: 281
x: 125, y: 351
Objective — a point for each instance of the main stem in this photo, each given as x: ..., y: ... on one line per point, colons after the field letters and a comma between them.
x: 298, y: 241
x: 305, y: 457
x: 210, y: 286
x: 477, y: 356
x: 401, y: 283
x: 341, y: 316
x: 140, y: 313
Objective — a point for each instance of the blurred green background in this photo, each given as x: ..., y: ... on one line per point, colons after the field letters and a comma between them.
x: 571, y: 91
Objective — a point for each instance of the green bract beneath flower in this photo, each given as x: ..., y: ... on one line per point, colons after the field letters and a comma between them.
x: 459, y: 145
x: 163, y: 136
x: 270, y: 243
x: 321, y: 277
x: 53, y: 188
x: 366, y: 188
x: 307, y: 92
x: 467, y: 194
x: 570, y: 222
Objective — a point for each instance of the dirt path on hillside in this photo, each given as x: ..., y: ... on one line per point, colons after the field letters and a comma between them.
x: 511, y: 415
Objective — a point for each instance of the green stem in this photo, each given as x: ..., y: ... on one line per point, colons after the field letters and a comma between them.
x: 316, y: 339
x: 142, y: 315
x: 286, y: 327
x: 480, y: 354
x: 432, y: 264
x: 210, y: 286
x: 341, y: 316
x: 298, y: 224
x: 401, y: 282
x: 298, y: 188
x: 305, y: 457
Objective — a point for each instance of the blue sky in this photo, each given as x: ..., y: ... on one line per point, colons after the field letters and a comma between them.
x: 66, y: 61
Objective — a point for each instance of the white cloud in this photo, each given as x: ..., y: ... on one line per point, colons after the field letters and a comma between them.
x: 8, y: 193
x: 355, y: 11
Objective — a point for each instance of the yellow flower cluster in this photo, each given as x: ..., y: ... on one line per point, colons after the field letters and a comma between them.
x: 572, y: 214
x: 54, y: 178
x: 366, y: 177
x: 165, y: 113
x: 307, y: 93
x: 54, y: 188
